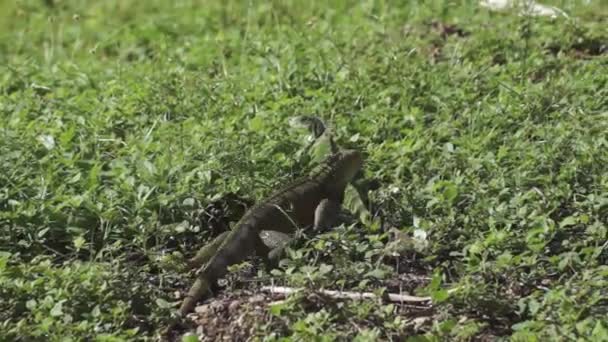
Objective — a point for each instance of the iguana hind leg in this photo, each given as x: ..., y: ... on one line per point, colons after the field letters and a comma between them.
x: 270, y: 242
x: 206, y: 252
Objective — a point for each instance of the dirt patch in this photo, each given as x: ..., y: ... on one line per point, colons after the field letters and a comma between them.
x: 230, y: 317
x: 583, y: 48
x: 445, y: 30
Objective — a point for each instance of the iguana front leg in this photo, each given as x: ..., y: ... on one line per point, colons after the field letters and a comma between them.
x: 274, y: 245
x: 326, y: 214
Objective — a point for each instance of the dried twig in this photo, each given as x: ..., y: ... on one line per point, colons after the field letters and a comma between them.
x: 392, y: 297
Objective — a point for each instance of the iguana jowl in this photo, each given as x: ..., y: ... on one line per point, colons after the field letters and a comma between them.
x: 313, y: 200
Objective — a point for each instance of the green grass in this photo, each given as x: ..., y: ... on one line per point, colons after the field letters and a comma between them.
x: 121, y: 119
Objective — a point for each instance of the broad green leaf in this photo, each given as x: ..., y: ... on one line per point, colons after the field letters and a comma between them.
x: 57, y: 309
x: 79, y: 242
x: 189, y: 338
x: 47, y: 141
x: 568, y: 221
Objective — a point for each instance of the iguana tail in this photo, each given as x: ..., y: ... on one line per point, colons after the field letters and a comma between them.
x: 197, y: 291
x: 238, y: 244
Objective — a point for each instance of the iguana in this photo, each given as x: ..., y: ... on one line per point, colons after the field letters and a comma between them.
x: 313, y: 200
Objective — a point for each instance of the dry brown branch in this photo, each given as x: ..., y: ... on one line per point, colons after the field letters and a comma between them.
x: 392, y: 297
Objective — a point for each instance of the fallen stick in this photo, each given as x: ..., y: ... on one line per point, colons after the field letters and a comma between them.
x: 393, y: 297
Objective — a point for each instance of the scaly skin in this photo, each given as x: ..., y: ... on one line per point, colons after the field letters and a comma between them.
x: 313, y: 200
